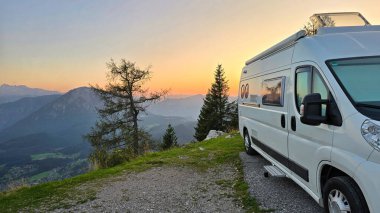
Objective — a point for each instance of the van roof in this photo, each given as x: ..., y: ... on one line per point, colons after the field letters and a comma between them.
x: 333, y: 38
x: 339, y: 42
x: 329, y: 43
x: 332, y: 30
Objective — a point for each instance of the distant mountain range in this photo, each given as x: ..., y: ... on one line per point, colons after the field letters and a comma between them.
x: 12, y: 112
x: 41, y: 138
x: 188, y: 107
x: 9, y: 93
x: 47, y: 143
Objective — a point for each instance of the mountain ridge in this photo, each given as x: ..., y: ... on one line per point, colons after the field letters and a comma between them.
x: 12, y: 112
x: 10, y: 93
x: 75, y: 103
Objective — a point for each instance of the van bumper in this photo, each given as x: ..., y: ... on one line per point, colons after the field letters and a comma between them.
x: 367, y: 176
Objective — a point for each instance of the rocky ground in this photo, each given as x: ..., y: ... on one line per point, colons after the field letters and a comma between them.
x: 165, y: 189
x: 186, y: 189
x: 279, y: 194
x: 183, y: 189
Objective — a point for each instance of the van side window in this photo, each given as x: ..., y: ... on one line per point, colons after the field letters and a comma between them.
x: 273, y: 91
x: 303, y: 80
x: 308, y: 80
x: 318, y: 86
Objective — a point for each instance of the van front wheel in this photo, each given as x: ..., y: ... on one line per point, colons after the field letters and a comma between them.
x: 247, y: 144
x: 341, y: 194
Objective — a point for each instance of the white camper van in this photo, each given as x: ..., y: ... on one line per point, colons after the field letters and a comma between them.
x: 311, y: 106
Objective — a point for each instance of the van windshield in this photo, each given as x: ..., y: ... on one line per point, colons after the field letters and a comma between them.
x: 360, y: 78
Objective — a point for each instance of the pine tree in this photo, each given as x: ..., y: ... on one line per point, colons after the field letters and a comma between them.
x: 117, y: 133
x: 169, y: 139
x: 232, y: 116
x: 213, y: 113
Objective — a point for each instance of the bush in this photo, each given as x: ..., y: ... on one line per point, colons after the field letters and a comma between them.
x: 119, y: 156
x: 103, y: 159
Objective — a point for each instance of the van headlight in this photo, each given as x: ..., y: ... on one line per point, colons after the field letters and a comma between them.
x: 371, y: 133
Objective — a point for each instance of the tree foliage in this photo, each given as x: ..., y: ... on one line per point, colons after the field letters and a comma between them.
x: 214, y: 112
x: 310, y: 28
x: 314, y: 24
x: 232, y: 116
x: 117, y: 133
x: 169, y: 139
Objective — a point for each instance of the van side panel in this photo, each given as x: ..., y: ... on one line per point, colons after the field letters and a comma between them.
x: 264, y: 122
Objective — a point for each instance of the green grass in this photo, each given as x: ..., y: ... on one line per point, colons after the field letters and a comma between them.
x: 39, y: 176
x: 201, y: 156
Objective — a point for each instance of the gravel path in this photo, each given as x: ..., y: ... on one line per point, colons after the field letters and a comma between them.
x: 280, y: 194
x: 165, y: 189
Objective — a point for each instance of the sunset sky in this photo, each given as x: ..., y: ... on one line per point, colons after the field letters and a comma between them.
x: 60, y: 45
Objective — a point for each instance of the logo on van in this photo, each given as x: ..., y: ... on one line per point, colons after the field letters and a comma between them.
x: 244, y: 91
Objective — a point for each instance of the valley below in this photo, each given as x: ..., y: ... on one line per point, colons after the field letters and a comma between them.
x: 41, y: 134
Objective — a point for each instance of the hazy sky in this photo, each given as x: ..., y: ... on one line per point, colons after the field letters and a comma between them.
x: 60, y: 45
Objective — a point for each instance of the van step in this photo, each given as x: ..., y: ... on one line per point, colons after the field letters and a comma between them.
x: 273, y: 171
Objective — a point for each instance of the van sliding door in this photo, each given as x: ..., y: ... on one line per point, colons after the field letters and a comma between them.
x: 269, y: 131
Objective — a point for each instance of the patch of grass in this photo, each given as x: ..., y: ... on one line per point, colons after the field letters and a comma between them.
x: 39, y: 176
x: 224, y: 183
x: 47, y: 155
x: 66, y: 193
x: 241, y: 192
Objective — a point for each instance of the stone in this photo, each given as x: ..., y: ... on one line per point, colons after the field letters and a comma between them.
x: 213, y: 134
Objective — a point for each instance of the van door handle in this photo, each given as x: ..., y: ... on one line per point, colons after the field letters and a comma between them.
x: 293, y: 123
x: 283, y: 121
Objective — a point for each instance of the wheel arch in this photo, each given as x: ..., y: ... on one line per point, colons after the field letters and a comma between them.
x: 245, y: 130
x: 327, y: 171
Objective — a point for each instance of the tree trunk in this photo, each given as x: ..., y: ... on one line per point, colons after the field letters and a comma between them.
x: 135, y: 133
x: 135, y: 143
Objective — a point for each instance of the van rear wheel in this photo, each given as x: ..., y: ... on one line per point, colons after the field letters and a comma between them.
x: 342, y: 194
x: 247, y: 144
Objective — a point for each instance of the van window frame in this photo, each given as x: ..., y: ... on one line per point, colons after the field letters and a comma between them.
x: 311, y: 70
x: 282, y: 98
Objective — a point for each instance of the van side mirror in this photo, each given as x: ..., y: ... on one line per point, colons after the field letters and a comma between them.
x: 311, y: 110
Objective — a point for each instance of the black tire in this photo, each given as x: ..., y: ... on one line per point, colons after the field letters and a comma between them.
x: 248, y: 148
x: 349, y: 189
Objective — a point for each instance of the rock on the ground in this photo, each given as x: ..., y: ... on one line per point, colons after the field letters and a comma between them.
x: 213, y: 134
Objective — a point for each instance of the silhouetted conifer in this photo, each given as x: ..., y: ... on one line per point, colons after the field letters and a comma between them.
x: 213, y: 113
x: 169, y: 139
